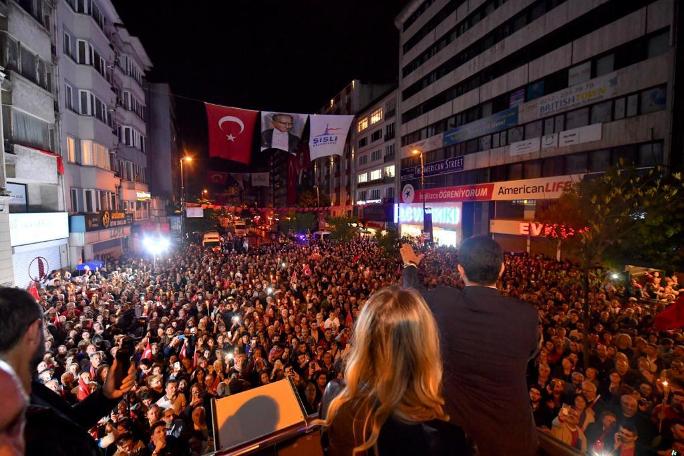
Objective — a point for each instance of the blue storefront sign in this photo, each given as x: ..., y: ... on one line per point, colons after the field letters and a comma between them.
x: 496, y: 122
x: 450, y: 165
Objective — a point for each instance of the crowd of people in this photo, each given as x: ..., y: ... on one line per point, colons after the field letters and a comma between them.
x: 205, y: 324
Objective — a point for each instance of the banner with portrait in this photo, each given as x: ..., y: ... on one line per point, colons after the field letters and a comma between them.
x: 281, y: 130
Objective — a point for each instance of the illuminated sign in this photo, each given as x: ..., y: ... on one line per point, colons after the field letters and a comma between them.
x: 532, y: 229
x: 143, y: 196
x: 35, y: 227
x: 373, y: 201
x: 442, y: 215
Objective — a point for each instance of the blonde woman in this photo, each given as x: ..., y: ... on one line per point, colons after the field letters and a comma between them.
x: 391, y: 402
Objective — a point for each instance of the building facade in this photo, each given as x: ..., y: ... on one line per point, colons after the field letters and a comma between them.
x: 375, y: 141
x: 103, y: 129
x: 34, y: 214
x: 335, y: 175
x: 510, y: 101
x: 163, y: 153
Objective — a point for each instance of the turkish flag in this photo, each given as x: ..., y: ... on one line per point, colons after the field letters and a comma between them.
x: 672, y: 317
x: 231, y: 132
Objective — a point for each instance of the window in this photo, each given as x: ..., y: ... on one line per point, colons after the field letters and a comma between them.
x: 363, y: 159
x: 533, y: 129
x: 71, y: 149
x: 376, y: 174
x: 389, y: 152
x: 84, y: 52
x: 389, y: 131
x: 389, y: 171
x: 375, y: 194
x: 86, y: 152
x: 376, y: 116
x: 552, y: 166
x: 619, y: 108
x: 376, y: 155
x: 362, y: 124
x: 363, y: 142
x: 599, y: 160
x: 377, y: 134
x: 67, y: 45
x: 68, y: 96
x: 515, y: 134
x: 532, y: 169
x: 632, y: 105
x: 74, y: 200
x: 658, y: 44
x: 362, y: 178
x: 576, y: 163
x: 601, y: 112
x: 515, y: 171
x: 362, y: 195
x: 390, y: 192
x: 605, y: 64
x: 90, y: 200
x: 577, y: 118
x: 653, y: 100
x: 650, y: 154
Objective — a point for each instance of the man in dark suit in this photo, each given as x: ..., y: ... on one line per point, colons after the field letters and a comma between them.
x: 487, y: 340
x: 280, y: 136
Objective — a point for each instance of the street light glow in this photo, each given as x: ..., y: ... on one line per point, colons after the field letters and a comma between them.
x: 156, y: 245
x: 416, y: 152
x: 615, y: 276
x: 187, y: 158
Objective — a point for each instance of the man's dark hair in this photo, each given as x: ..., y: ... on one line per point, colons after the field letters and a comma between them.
x: 18, y: 310
x: 481, y: 258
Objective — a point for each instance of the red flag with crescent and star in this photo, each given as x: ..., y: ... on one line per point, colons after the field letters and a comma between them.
x: 231, y: 132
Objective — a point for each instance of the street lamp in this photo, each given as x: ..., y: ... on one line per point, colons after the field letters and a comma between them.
x: 318, y: 196
x: 188, y: 159
x: 422, y: 180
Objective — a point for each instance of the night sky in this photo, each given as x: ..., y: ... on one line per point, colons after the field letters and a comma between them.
x: 287, y: 55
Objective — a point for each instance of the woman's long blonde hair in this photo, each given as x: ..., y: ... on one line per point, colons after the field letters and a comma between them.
x: 394, y: 366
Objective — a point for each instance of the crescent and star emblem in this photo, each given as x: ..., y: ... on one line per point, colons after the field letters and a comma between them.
x: 235, y: 120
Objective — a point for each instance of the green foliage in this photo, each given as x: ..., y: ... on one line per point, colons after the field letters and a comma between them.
x: 341, y: 228
x: 308, y: 198
x: 298, y: 222
x: 625, y: 216
x: 389, y: 242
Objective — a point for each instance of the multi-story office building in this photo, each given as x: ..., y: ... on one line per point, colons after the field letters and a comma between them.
x: 33, y: 223
x: 163, y: 151
x: 334, y: 175
x: 374, y: 139
x: 103, y: 127
x: 509, y: 101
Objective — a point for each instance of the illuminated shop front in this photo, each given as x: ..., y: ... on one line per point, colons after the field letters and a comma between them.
x: 446, y: 221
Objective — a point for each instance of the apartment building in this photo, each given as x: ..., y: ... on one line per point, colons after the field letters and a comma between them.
x: 509, y: 101
x: 334, y: 175
x: 103, y: 127
x: 33, y: 222
x: 375, y: 141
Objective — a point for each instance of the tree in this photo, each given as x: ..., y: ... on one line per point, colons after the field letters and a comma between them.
x: 389, y: 242
x: 623, y: 216
x: 343, y: 228
x: 309, y: 198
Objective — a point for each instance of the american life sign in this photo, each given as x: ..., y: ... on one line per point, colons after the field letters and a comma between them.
x: 543, y: 188
x: 437, y: 168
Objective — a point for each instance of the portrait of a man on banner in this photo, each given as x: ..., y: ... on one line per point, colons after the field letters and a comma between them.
x: 281, y: 130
